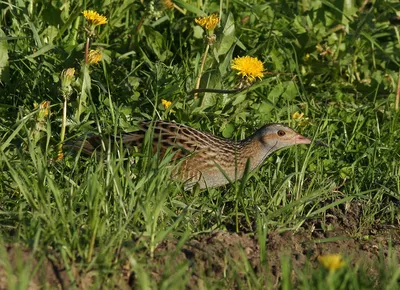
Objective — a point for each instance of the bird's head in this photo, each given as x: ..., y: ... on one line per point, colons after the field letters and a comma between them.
x: 277, y: 136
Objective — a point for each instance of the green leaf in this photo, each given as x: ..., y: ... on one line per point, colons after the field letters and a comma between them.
x: 240, y: 98
x: 3, y: 56
x: 266, y: 108
x: 190, y: 8
x: 227, y: 39
x: 228, y: 130
x: 198, y: 32
x: 42, y: 51
x: 155, y: 40
x: 50, y: 33
x: 84, y: 93
x: 223, y: 67
x: 290, y: 91
x: 275, y: 93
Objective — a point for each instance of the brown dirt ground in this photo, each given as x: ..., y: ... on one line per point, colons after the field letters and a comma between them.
x: 208, y: 255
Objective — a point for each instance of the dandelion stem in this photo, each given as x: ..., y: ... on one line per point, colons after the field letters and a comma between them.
x: 179, y: 9
x: 63, y: 125
x: 201, y: 70
x: 87, y: 50
x: 396, y: 104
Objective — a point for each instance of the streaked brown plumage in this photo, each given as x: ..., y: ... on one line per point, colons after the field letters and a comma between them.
x: 207, y: 159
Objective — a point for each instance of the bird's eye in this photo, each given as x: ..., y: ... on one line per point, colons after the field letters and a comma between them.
x: 281, y: 133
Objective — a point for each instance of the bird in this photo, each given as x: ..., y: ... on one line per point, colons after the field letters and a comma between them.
x: 204, y: 159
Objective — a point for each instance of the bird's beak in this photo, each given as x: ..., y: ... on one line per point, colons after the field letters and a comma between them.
x: 300, y: 139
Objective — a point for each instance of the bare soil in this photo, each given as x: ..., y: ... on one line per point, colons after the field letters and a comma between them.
x: 209, y: 257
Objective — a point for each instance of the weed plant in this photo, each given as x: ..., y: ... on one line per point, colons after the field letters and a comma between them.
x: 331, y: 72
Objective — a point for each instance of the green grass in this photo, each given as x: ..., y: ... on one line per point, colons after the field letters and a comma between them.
x: 337, y: 64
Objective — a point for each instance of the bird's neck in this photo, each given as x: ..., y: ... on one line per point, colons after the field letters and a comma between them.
x: 254, y: 150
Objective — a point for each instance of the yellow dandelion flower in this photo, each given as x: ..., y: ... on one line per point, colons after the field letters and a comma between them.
x: 67, y: 76
x: 94, y: 56
x: 208, y: 22
x: 69, y: 72
x: 331, y: 262
x: 45, y: 106
x: 166, y: 103
x: 168, y: 4
x: 94, y: 18
x: 248, y: 67
x: 43, y: 109
x: 300, y: 119
x: 60, y: 156
x: 297, y: 116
